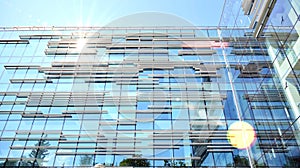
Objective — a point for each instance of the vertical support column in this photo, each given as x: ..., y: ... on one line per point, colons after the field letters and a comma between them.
x: 235, y: 97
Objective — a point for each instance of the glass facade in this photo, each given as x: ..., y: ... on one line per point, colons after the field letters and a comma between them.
x: 283, y: 43
x: 152, y: 97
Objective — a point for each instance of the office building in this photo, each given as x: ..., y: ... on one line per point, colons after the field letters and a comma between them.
x: 154, y: 96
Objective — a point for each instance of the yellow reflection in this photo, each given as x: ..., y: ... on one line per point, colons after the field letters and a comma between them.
x: 241, y: 135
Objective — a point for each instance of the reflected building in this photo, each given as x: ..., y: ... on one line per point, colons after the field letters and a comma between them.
x: 158, y: 96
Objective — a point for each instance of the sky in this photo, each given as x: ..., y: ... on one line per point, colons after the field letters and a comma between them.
x: 104, y: 12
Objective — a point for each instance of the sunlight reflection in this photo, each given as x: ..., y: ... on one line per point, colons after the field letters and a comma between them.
x: 80, y: 43
x: 241, y: 135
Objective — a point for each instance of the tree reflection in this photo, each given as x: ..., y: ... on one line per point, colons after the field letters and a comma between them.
x: 40, y: 152
x: 137, y: 161
x: 86, y: 160
x: 240, y: 162
x: 174, y: 163
x: 36, y: 156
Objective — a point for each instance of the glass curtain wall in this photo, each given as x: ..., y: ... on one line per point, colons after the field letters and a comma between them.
x: 161, y: 97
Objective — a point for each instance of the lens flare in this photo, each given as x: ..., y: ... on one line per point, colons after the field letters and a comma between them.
x: 80, y: 43
x: 241, y: 135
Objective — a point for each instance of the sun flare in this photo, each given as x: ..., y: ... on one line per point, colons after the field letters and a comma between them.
x: 241, y: 135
